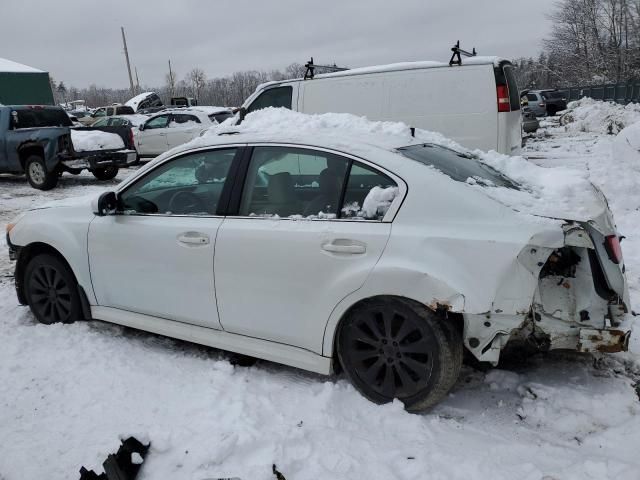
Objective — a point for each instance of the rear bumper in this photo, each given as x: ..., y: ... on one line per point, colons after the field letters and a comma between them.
x: 603, y: 341
x: 123, y: 158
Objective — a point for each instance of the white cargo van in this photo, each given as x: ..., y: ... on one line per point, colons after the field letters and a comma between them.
x: 476, y: 103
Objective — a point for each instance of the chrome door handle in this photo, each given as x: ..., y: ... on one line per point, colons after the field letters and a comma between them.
x: 193, y: 238
x: 352, y: 249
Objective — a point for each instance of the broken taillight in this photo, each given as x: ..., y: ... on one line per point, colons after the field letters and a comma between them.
x: 612, y: 245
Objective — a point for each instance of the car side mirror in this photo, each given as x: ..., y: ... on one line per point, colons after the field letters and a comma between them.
x: 141, y: 127
x: 107, y: 204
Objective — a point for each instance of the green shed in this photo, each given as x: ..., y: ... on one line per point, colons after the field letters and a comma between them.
x: 23, y: 85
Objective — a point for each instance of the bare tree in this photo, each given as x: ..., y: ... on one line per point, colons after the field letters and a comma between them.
x: 197, y: 81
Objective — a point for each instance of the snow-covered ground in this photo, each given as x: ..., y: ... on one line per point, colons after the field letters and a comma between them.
x: 68, y: 392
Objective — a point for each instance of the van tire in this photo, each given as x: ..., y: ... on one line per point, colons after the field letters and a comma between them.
x: 37, y: 175
x: 396, y: 348
x: 105, y: 173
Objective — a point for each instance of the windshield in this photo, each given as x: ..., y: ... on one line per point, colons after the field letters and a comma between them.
x: 41, y: 117
x: 462, y: 167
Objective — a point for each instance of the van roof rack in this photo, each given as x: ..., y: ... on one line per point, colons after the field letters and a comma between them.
x: 311, y: 68
x: 456, y: 58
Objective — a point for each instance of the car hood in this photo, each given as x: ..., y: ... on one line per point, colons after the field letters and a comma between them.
x: 68, y: 202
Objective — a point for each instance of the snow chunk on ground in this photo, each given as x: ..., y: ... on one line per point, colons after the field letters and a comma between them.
x: 92, y: 140
x: 589, y: 115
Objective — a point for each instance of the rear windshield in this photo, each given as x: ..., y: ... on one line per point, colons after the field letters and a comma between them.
x: 461, y: 167
x: 40, y: 117
x: 124, y: 110
x: 552, y: 94
x: 220, y: 117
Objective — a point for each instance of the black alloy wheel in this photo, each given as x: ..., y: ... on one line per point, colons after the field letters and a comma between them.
x: 51, y: 290
x: 395, y: 349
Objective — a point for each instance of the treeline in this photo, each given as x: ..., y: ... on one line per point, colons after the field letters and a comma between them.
x: 591, y: 42
x: 228, y: 91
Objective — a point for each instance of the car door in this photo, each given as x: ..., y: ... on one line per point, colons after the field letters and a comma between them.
x: 294, y: 244
x: 183, y: 128
x: 152, y: 139
x: 155, y: 257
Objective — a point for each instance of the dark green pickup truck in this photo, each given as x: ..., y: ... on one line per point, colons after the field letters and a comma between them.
x: 42, y: 143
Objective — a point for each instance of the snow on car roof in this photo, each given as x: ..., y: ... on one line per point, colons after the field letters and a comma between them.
x: 9, y: 66
x: 210, y: 110
x: 133, y: 102
x: 562, y: 193
x: 135, y: 118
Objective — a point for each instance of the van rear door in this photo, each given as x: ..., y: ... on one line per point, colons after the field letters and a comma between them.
x: 508, y: 104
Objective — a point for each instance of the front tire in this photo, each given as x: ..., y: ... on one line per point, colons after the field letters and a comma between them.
x: 105, y: 173
x: 51, y: 290
x: 395, y: 348
x: 38, y: 177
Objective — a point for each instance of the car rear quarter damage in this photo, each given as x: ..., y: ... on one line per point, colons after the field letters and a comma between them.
x: 573, y: 304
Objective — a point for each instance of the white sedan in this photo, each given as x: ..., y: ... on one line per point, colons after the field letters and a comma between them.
x: 170, y: 128
x: 325, y: 241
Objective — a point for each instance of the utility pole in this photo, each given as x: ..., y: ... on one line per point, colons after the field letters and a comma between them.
x: 171, y: 80
x: 126, y: 55
x: 137, y: 82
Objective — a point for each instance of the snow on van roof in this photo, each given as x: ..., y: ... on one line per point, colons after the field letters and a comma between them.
x: 8, y: 66
x: 394, y: 67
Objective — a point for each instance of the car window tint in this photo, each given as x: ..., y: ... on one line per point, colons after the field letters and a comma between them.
x: 118, y: 122
x: 295, y: 182
x: 220, y: 117
x: 462, y: 167
x: 101, y: 112
x: 103, y: 122
x: 157, y: 122
x: 188, y: 185
x: 181, y: 120
x: 369, y: 194
x: 532, y: 97
x: 273, y: 97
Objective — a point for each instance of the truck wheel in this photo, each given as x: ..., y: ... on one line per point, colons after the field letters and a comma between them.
x: 51, y: 290
x: 393, y: 348
x: 106, y: 173
x: 37, y: 174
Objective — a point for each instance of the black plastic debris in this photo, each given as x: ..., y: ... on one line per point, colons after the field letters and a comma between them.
x: 124, y: 465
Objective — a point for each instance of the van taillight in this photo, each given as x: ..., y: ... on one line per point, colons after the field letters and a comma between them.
x: 612, y: 245
x: 503, y: 98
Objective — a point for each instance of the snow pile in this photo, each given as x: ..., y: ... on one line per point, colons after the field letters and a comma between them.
x: 92, y: 140
x: 589, y: 115
x: 378, y: 201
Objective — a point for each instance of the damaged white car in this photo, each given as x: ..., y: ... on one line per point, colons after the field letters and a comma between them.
x: 327, y: 240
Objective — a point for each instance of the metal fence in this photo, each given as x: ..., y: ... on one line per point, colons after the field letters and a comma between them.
x: 623, y: 93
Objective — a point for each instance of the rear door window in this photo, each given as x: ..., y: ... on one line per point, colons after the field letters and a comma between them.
x: 459, y: 166
x: 273, y: 97
x: 41, y: 117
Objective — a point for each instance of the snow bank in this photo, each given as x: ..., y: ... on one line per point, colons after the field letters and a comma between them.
x: 88, y: 141
x: 589, y: 115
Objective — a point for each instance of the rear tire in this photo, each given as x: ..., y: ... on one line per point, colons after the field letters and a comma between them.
x: 37, y: 175
x: 51, y: 290
x: 105, y: 173
x: 395, y: 348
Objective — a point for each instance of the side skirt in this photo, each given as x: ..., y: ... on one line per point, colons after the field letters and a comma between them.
x: 254, y: 347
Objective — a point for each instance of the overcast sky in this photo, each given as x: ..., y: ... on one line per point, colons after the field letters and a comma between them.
x: 79, y: 41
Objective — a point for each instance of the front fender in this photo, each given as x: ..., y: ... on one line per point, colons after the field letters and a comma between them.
x: 65, y: 230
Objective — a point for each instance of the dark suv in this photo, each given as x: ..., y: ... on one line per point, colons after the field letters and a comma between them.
x: 544, y: 102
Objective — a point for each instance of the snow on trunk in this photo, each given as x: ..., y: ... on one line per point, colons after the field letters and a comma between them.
x: 88, y: 141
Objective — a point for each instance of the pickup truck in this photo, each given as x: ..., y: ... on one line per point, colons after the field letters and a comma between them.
x: 41, y: 142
